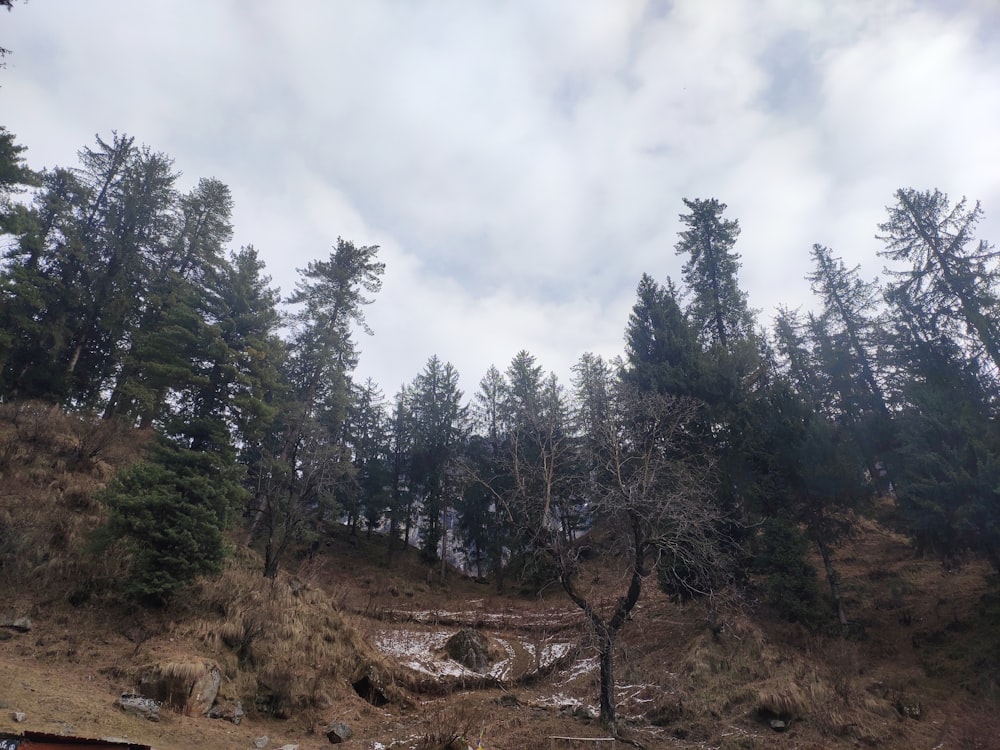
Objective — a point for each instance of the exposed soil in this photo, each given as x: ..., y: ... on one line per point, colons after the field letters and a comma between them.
x: 920, y: 667
x: 924, y: 645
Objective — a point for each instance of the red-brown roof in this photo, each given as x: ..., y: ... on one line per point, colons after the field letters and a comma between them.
x: 42, y: 741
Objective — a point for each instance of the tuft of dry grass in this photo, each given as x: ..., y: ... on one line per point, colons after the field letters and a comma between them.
x: 184, y: 671
x: 742, y: 676
x: 457, y: 725
x: 52, y: 467
x: 282, y: 643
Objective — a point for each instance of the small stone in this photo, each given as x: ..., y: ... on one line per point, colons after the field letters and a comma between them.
x: 137, y: 705
x: 261, y: 742
x: 289, y: 747
x: 228, y: 710
x: 585, y: 712
x: 18, y: 716
x: 778, y: 725
x: 911, y: 707
x: 508, y: 700
x: 20, y: 624
x: 338, y: 732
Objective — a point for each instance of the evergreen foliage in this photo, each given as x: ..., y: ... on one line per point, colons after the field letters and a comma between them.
x: 169, y: 513
x: 438, y: 432
x: 952, y: 276
x: 790, y: 584
x: 119, y: 295
x: 949, y: 454
x: 661, y: 348
x: 718, y: 308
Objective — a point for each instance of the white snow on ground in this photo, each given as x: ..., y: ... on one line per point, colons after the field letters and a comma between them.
x: 503, y: 669
x: 416, y: 650
x: 552, y: 652
x: 421, y: 651
x: 579, y: 669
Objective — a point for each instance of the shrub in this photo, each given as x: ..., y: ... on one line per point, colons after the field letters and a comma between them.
x: 169, y: 514
x: 790, y: 586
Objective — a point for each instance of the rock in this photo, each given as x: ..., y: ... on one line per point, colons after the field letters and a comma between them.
x: 910, y: 707
x: 778, y: 725
x: 20, y: 624
x: 289, y: 747
x: 18, y: 716
x: 187, y: 686
x: 230, y: 710
x: 339, y: 732
x: 137, y: 705
x: 470, y: 648
x: 585, y: 712
x: 261, y: 742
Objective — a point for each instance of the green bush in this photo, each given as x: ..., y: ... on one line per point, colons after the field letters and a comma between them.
x: 169, y: 514
x: 790, y: 586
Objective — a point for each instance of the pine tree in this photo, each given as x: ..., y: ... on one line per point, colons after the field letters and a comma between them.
x: 169, y: 513
x: 853, y: 305
x: 173, y: 325
x: 309, y: 462
x: 718, y: 309
x: 439, y: 430
x: 951, y: 273
x: 484, y: 528
x: 402, y: 497
x: 735, y: 366
x: 948, y: 454
x: 43, y: 290
x: 797, y: 360
x: 15, y: 177
x: 368, y: 436
x: 234, y: 396
x: 661, y: 348
x: 124, y: 227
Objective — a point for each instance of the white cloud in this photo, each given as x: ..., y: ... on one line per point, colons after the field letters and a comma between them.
x: 521, y: 164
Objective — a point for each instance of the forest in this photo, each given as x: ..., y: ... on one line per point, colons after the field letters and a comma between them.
x: 719, y: 446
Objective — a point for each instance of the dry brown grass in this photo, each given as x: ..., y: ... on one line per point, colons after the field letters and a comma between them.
x: 293, y: 647
x: 283, y: 644
x: 283, y: 641
x: 52, y: 466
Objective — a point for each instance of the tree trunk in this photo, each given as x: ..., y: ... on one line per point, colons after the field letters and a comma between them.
x: 831, y: 577
x: 270, y: 559
x: 444, y: 541
x: 606, y: 647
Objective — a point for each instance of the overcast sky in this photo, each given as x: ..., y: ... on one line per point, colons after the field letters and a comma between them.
x: 522, y: 163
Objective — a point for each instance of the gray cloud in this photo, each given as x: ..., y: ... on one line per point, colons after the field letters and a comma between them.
x: 521, y: 164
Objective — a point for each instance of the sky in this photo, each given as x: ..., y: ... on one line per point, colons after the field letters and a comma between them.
x: 521, y: 164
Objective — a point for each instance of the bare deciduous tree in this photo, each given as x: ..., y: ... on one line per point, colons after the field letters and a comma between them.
x: 647, y: 492
x: 652, y: 498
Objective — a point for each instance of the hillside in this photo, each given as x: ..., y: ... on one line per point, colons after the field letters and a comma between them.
x: 346, y: 635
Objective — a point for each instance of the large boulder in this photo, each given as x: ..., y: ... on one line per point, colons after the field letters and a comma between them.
x: 470, y: 648
x: 189, y: 687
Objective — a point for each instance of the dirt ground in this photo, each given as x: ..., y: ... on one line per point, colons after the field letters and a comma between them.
x: 921, y: 671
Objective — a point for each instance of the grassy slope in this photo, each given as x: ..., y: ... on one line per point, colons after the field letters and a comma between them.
x: 929, y: 638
